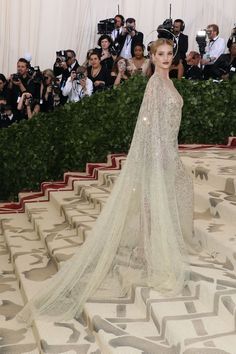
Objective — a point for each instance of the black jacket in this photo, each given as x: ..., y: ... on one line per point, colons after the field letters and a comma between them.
x: 182, y: 46
x: 65, y: 73
x: 137, y: 39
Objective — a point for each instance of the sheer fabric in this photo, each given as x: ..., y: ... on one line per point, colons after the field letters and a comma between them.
x: 146, y: 227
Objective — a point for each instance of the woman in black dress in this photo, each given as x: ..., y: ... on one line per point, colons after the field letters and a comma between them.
x: 98, y: 73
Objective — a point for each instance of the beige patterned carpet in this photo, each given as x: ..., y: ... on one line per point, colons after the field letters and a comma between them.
x: 45, y: 228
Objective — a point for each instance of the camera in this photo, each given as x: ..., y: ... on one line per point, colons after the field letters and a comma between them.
x: 130, y: 28
x: 16, y: 77
x: 56, y: 88
x: 61, y: 56
x: 201, y: 41
x: 80, y: 76
x: 114, y: 49
x: 37, y: 75
x: 106, y: 26
x: 166, y: 29
x: 233, y: 32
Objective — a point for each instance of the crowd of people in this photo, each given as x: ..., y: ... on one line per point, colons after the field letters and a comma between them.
x: 117, y: 57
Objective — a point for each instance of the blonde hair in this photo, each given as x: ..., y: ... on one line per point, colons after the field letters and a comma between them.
x: 160, y: 42
x: 49, y: 72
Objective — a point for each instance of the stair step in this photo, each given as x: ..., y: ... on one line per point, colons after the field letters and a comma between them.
x: 221, y: 205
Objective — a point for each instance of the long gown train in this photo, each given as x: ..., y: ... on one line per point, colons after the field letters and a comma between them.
x: 144, y: 231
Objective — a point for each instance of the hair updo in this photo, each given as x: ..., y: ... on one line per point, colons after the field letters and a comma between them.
x: 160, y: 42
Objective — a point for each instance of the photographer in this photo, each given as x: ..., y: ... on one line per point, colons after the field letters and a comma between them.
x: 181, y: 39
x: 107, y: 59
x: 47, y: 91
x: 215, y: 47
x: 97, y: 73
x: 191, y: 69
x: 225, y: 66
x: 128, y: 38
x: 77, y: 86
x: 28, y: 106
x: 7, y: 117
x: 232, y: 38
x: 120, y: 72
x: 65, y: 62
x: 119, y: 23
x: 20, y: 83
x: 139, y: 64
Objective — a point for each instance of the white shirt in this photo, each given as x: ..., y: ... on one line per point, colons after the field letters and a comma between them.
x: 114, y: 33
x: 215, y: 48
x: 75, y: 91
x: 126, y: 50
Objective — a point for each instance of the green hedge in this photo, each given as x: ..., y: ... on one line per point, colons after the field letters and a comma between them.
x: 43, y: 148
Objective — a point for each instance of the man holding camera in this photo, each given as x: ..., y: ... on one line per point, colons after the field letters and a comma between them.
x: 215, y: 47
x: 65, y: 63
x: 20, y: 83
x: 77, y: 86
x: 128, y: 38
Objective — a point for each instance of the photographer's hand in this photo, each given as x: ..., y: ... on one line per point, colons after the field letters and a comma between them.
x: 133, y: 33
x: 83, y: 83
x: 98, y: 83
x: 63, y: 65
x: 73, y: 75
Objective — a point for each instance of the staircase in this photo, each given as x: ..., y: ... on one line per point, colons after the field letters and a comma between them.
x: 44, y: 230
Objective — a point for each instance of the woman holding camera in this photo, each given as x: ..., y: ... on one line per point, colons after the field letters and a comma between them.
x: 27, y: 106
x: 46, y: 91
x: 120, y: 72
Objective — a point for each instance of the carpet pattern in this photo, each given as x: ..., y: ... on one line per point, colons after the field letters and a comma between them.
x: 44, y: 229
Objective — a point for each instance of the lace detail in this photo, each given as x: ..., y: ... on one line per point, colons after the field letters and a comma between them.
x: 142, y: 232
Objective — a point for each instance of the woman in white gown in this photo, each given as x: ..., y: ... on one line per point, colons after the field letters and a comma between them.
x: 145, y: 230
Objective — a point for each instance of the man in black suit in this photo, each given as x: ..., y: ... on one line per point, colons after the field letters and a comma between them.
x: 64, y: 66
x: 181, y: 38
x: 128, y: 38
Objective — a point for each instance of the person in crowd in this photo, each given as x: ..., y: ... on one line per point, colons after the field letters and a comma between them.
x: 107, y: 59
x: 181, y: 39
x: 149, y: 56
x: 78, y: 85
x: 128, y: 38
x: 86, y: 62
x: 215, y: 47
x: 27, y: 106
x: 119, y: 23
x: 63, y: 66
x: 47, y: 91
x: 232, y: 38
x: 3, y: 86
x: 192, y: 70
x: 20, y: 83
x: 97, y: 73
x: 177, y: 68
x: 138, y: 63
x: 7, y: 117
x: 120, y: 72
x: 225, y: 66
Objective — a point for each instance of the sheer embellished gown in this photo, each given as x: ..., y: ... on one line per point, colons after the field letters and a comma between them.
x: 145, y: 230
